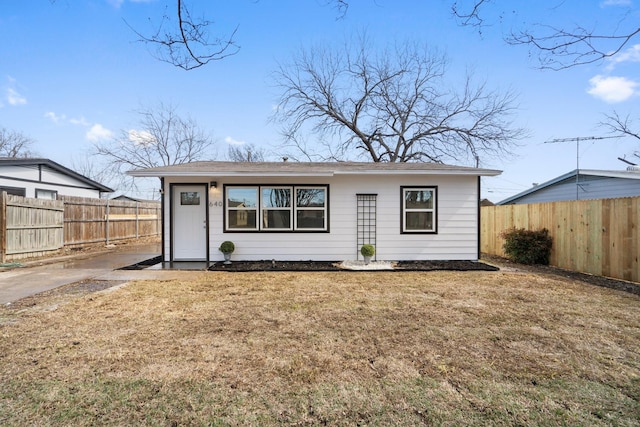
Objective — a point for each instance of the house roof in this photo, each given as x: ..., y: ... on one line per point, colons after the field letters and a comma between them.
x: 213, y: 168
x: 628, y: 174
x: 11, y: 161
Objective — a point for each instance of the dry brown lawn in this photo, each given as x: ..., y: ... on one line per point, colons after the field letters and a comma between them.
x: 384, y: 348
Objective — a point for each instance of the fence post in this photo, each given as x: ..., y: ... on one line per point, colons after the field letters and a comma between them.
x: 137, y: 220
x: 106, y: 232
x: 3, y: 226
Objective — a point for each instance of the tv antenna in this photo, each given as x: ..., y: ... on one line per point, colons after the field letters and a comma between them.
x: 577, y: 141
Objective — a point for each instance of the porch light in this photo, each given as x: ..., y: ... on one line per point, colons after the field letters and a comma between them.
x: 213, y: 184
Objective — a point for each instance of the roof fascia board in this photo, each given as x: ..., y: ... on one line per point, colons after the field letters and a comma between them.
x: 176, y: 174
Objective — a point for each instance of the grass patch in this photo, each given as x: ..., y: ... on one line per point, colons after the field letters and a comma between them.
x: 439, y: 348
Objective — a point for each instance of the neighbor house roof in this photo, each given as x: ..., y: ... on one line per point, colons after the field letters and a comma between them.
x: 290, y: 168
x: 11, y: 161
x: 571, y: 176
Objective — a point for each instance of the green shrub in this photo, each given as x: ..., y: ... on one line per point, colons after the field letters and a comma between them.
x: 367, y: 250
x: 227, y: 247
x: 527, y: 246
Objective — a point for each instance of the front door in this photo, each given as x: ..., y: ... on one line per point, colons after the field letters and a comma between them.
x: 189, y: 222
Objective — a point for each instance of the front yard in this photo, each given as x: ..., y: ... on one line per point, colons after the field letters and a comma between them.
x: 330, y: 348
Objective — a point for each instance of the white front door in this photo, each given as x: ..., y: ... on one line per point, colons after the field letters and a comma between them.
x: 189, y: 222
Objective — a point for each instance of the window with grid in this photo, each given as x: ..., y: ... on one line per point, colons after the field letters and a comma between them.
x: 419, y: 209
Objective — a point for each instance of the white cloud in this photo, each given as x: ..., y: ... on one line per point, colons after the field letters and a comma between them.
x: 630, y: 55
x: 14, y: 98
x: 118, y: 3
x: 606, y: 3
x: 141, y: 137
x: 80, y: 122
x: 98, y: 132
x: 612, y: 89
x: 232, y: 141
x: 54, y: 117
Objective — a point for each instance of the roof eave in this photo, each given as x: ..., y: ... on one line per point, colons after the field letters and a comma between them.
x: 177, y: 174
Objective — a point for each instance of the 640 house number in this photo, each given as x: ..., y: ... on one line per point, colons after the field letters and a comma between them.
x: 216, y: 203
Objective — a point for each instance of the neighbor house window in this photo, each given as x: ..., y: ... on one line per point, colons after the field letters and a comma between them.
x: 276, y: 208
x: 419, y: 209
x: 46, y: 194
x: 16, y: 191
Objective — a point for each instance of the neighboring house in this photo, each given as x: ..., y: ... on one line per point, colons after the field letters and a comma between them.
x: 291, y: 211
x: 588, y: 184
x: 45, y: 179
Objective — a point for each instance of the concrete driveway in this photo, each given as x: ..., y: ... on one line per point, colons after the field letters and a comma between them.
x: 21, y: 282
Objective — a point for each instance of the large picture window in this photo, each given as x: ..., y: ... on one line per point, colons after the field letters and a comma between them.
x: 276, y: 208
x: 419, y: 209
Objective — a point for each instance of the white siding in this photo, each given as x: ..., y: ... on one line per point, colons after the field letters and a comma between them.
x: 456, y: 239
x: 31, y: 178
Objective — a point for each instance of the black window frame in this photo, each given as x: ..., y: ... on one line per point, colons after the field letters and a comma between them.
x: 403, y: 209
x: 14, y: 191
x: 260, y: 209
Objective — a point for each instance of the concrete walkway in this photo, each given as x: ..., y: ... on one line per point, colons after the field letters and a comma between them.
x: 21, y: 282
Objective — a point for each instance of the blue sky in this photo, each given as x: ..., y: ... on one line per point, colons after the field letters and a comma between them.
x: 71, y: 72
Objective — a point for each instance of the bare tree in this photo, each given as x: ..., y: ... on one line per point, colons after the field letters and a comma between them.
x: 184, y: 38
x: 15, y: 144
x: 391, y: 106
x: 622, y: 126
x: 245, y: 153
x: 185, y: 41
x: 556, y: 47
x: 163, y: 138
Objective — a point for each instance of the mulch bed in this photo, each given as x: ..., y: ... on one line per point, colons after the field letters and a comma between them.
x: 247, y: 266
x: 496, y: 264
x: 143, y: 264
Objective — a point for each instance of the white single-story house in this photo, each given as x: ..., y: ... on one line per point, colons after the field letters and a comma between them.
x: 45, y: 179
x: 581, y: 185
x: 291, y: 211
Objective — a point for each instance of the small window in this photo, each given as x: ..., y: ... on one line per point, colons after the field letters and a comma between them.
x: 418, y: 210
x: 46, y: 194
x: 16, y: 191
x: 189, y: 198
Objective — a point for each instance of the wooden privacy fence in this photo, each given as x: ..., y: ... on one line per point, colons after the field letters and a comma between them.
x: 100, y: 220
x: 591, y: 236
x: 29, y: 227
x: 35, y: 227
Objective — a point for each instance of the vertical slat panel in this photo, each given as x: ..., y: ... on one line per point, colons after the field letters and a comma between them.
x: 32, y: 227
x: 592, y: 236
x: 3, y: 226
x: 35, y: 227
